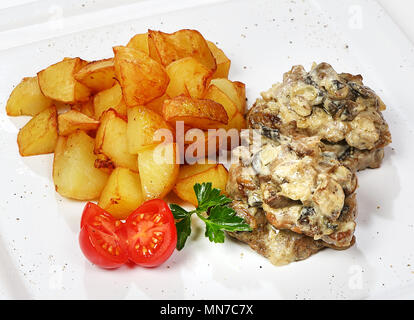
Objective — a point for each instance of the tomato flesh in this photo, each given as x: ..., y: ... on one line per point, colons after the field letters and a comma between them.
x: 102, y: 238
x: 151, y: 233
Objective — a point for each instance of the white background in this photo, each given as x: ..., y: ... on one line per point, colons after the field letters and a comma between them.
x: 401, y: 11
x: 39, y: 253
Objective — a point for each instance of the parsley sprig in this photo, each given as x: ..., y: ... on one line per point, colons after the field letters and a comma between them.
x: 213, y: 210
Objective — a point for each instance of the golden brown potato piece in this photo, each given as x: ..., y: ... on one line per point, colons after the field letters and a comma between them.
x: 234, y: 90
x: 199, y: 147
x: 74, y: 173
x: 217, y: 95
x: 156, y: 104
x: 39, y: 135
x: 241, y: 93
x: 103, y: 163
x: 58, y: 82
x: 188, y: 77
x: 122, y: 193
x: 142, y: 79
x: 139, y: 42
x: 237, y: 122
x: 187, y: 171
x: 199, y: 173
x: 109, y: 99
x: 197, y: 113
x: 73, y: 120
x: 86, y: 108
x: 97, y: 75
x: 141, y: 128
x: 158, y: 169
x: 27, y: 99
x: 223, y: 63
x: 167, y: 48
x: 111, y: 140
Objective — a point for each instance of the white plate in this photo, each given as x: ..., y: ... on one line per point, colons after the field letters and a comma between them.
x: 39, y: 252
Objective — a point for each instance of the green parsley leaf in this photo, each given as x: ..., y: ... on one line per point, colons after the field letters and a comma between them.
x: 183, y: 225
x: 225, y: 218
x: 214, y: 233
x: 213, y: 210
x: 208, y: 197
x: 222, y: 218
x: 183, y: 231
x: 178, y: 212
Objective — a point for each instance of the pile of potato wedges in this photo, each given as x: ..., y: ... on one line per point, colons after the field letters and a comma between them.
x: 99, y: 118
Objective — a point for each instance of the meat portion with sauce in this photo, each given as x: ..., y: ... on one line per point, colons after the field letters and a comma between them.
x: 296, y: 197
x: 279, y: 246
x: 338, y: 108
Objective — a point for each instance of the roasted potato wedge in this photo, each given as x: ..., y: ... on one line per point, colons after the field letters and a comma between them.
x: 223, y: 63
x: 58, y: 82
x: 236, y: 122
x: 111, y: 140
x: 142, y: 79
x: 156, y: 104
x: 103, y: 163
x: 234, y: 90
x: 141, y: 128
x: 97, y: 75
x: 217, y: 95
x: 27, y: 99
x: 40, y: 134
x: 187, y: 171
x: 74, y: 173
x: 187, y: 178
x: 87, y: 108
x: 241, y: 93
x: 122, y: 193
x: 158, y: 169
x: 188, y: 77
x: 197, y: 113
x: 199, y: 146
x: 139, y: 42
x: 73, y: 120
x: 231, y: 134
x: 167, y: 48
x: 109, y: 99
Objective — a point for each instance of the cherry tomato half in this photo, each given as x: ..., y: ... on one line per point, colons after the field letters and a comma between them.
x: 151, y: 232
x: 102, y: 238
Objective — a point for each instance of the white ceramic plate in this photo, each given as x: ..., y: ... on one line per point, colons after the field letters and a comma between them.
x: 39, y: 252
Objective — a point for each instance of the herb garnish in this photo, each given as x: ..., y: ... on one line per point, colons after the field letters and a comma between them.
x: 213, y: 210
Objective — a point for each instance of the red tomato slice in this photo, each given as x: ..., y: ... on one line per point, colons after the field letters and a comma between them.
x: 151, y: 232
x: 102, y: 238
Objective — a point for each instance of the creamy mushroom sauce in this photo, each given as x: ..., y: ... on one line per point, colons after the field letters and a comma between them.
x: 338, y: 108
x: 279, y: 246
x: 298, y: 186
